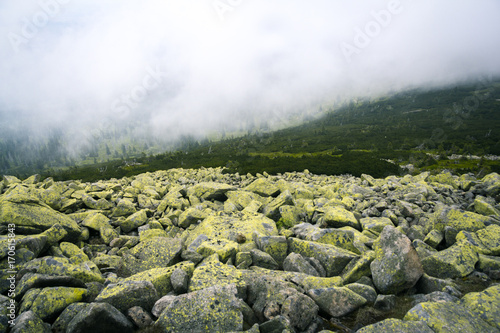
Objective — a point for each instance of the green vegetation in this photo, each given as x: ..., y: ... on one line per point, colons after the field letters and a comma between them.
x: 416, y: 127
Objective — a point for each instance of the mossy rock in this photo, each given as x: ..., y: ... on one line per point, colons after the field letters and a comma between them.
x: 160, y: 277
x: 213, y: 309
x: 485, y: 305
x: 126, y: 294
x: 339, y: 217
x: 333, y: 259
x: 224, y: 248
x: 337, y: 301
x: 393, y: 325
x: 229, y: 227
x: 152, y: 253
x: 375, y: 224
x: 358, y: 267
x: 210, y: 191
x: 51, y: 301
x: 456, y: 261
x: 263, y: 187
x: 27, y: 213
x: 242, y: 199
x: 448, y: 317
x: 216, y: 273
x: 458, y: 219
x: 86, y: 271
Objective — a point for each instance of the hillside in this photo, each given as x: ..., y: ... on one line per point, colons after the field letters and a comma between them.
x: 206, y: 251
x: 375, y: 137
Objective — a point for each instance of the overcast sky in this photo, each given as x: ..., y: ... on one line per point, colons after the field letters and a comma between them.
x: 188, y: 66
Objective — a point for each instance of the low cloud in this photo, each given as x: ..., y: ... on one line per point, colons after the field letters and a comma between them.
x: 197, y: 67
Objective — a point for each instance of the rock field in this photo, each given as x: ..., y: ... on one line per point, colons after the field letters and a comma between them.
x: 204, y: 251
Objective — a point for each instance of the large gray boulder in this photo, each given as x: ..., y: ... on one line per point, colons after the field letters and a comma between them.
x: 397, y: 266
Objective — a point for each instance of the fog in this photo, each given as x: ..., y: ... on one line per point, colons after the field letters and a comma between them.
x: 177, y: 67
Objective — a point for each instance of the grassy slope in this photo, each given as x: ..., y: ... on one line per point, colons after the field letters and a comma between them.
x: 354, y: 139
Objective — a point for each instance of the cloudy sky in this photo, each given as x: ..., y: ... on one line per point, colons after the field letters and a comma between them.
x: 194, y: 66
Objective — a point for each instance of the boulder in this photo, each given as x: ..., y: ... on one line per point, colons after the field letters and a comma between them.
x: 448, y: 317
x: 263, y: 187
x: 397, y: 266
x: 213, y: 309
x: 294, y: 262
x: 456, y: 261
x: 336, y: 301
x: 51, y: 301
x: 338, y: 217
x: 484, y: 305
x: 29, y: 322
x: 210, y: 191
x: 332, y: 258
x: 393, y: 325
x: 31, y: 216
x: 126, y: 294
x: 100, y: 317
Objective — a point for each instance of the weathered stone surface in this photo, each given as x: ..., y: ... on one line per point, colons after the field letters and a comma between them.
x: 485, y: 305
x: 338, y: 217
x: 210, y: 191
x: 397, y: 266
x: 51, y: 301
x: 126, y: 294
x: 263, y: 187
x: 31, y: 216
x: 458, y: 260
x: 332, y: 258
x: 152, y: 253
x: 229, y: 227
x: 216, y: 273
x: 61, y: 323
x: 296, y: 263
x: 100, y: 317
x: 30, y: 322
x: 337, y: 301
x: 393, y: 325
x: 86, y: 272
x: 448, y: 317
x: 217, y: 310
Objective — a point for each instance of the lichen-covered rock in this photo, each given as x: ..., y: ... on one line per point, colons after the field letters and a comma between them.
x: 210, y: 191
x: 140, y: 317
x: 100, y: 317
x: 161, y: 277
x: 336, y: 301
x: 364, y: 291
x: 229, y: 227
x: 86, y: 271
x: 294, y: 262
x: 393, y: 325
x: 332, y: 258
x: 31, y: 216
x: 61, y: 323
x: 448, y: 317
x: 51, y: 301
x: 458, y: 260
x: 214, y: 309
x: 300, y: 310
x: 338, y: 217
x: 224, y: 248
x: 30, y: 280
x: 29, y: 322
x: 397, y: 266
x: 343, y: 238
x: 458, y: 219
x: 126, y: 294
x: 134, y: 221
x: 275, y: 246
x: 263, y: 187
x: 152, y: 253
x: 375, y: 224
x: 485, y: 305
x: 491, y: 183
x: 481, y: 206
x: 190, y: 216
x: 124, y: 207
x: 216, y: 273
x: 358, y: 267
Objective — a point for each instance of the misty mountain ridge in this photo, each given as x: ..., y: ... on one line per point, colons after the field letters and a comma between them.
x: 460, y: 120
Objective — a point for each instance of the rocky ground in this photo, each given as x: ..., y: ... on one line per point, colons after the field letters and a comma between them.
x: 202, y: 251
